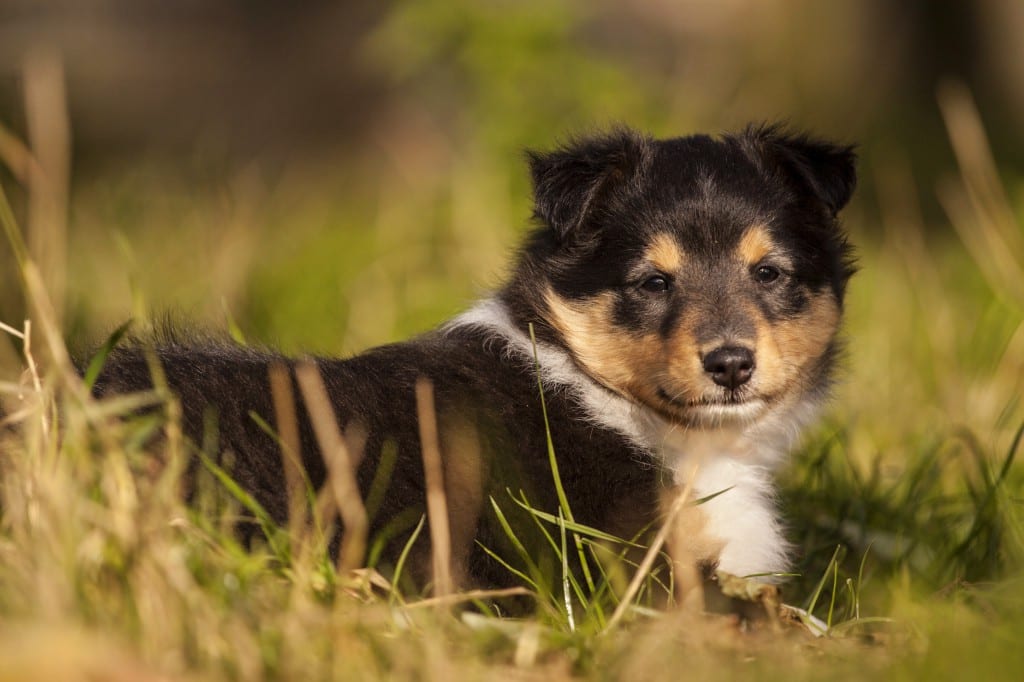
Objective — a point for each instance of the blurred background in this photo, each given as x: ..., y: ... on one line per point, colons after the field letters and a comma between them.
x: 323, y: 176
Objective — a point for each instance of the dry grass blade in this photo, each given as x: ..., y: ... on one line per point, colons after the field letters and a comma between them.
x: 17, y: 157
x: 980, y: 210
x: 46, y: 315
x: 288, y: 432
x: 43, y: 264
x: 470, y: 595
x: 11, y: 330
x: 652, y: 553
x: 340, y: 467
x: 50, y: 140
x: 437, y: 503
x: 37, y: 383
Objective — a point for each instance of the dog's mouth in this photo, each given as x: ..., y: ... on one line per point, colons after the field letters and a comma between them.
x: 728, y: 406
x: 727, y: 398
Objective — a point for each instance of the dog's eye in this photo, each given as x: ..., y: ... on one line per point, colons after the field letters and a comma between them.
x: 655, y: 284
x: 766, y: 274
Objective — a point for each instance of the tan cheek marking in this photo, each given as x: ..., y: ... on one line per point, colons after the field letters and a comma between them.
x: 755, y: 245
x: 685, y: 370
x: 787, y: 347
x: 616, y: 358
x: 770, y: 373
x: 807, y: 336
x: 634, y: 365
x: 664, y: 253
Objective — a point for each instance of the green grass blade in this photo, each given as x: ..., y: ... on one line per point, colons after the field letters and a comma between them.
x: 402, y: 558
x: 381, y: 478
x: 835, y: 592
x: 92, y: 372
x: 813, y: 601
x: 566, y: 595
x: 708, y: 498
x: 572, y: 526
x: 559, y: 551
x: 400, y: 522
x: 233, y: 329
x: 563, y: 500
x: 511, y: 569
x: 306, y: 482
x: 860, y: 582
x: 537, y: 516
x: 14, y: 238
x: 514, y: 539
x: 584, y: 564
x: 987, y: 500
x: 267, y: 524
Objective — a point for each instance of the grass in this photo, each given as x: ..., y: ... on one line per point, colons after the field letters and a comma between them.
x: 904, y: 506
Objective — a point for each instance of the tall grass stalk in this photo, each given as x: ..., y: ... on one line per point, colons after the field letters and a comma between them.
x: 341, y: 467
x: 437, y: 503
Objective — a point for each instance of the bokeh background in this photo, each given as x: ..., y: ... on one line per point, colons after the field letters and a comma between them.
x: 232, y: 153
x: 324, y: 176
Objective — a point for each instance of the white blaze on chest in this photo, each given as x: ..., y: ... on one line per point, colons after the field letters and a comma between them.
x: 730, y: 470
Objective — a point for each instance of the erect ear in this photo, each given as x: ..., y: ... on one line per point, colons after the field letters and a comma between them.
x: 827, y: 170
x: 569, y: 182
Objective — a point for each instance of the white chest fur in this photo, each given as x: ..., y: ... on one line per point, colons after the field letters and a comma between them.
x: 739, y: 511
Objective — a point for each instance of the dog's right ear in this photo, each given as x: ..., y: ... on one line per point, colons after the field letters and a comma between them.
x: 828, y: 170
x: 569, y: 182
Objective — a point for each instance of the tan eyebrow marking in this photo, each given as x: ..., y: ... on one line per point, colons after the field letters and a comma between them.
x: 664, y: 253
x: 755, y: 245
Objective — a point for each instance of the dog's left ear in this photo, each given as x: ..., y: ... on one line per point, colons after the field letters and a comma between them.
x: 827, y: 170
x: 569, y: 183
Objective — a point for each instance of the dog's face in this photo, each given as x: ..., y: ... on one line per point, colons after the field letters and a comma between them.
x: 702, y: 278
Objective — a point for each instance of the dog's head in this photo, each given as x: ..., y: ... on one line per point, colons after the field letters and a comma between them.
x: 703, y: 278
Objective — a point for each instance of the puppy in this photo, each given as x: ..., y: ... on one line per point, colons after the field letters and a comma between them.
x: 684, y: 297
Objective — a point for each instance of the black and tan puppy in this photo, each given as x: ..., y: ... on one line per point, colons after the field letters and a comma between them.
x: 686, y: 295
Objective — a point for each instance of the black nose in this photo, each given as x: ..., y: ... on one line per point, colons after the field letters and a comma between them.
x: 729, y: 366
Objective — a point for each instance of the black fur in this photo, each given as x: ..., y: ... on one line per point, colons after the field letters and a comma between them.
x: 473, y: 377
